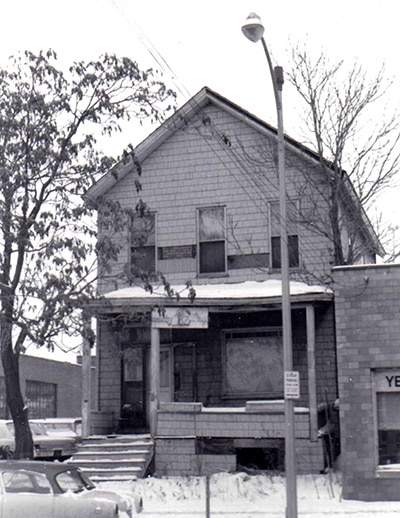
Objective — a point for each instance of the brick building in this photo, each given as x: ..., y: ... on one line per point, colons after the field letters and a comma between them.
x: 50, y: 388
x: 368, y: 329
x: 206, y: 376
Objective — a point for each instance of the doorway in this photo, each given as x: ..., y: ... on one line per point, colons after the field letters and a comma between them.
x: 133, y: 397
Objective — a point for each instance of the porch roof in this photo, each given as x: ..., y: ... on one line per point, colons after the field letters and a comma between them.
x: 225, y: 294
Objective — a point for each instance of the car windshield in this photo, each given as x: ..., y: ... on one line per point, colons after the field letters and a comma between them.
x: 73, y: 480
x: 59, y: 427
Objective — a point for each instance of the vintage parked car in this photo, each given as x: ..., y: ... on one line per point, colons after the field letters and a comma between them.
x: 65, y: 426
x: 7, y: 443
x: 57, y: 490
x: 50, y: 446
x: 45, y: 446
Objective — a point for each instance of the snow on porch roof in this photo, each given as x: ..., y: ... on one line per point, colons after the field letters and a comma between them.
x: 266, y: 291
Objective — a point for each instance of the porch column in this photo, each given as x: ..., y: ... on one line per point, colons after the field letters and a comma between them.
x: 154, y: 377
x: 312, y: 384
x: 86, y: 375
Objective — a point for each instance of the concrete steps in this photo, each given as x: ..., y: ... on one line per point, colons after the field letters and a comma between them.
x: 114, y: 457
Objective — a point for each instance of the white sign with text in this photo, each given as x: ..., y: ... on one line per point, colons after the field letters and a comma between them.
x: 292, y: 385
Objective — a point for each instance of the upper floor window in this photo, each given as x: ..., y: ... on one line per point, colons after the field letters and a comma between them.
x: 143, y: 244
x: 212, y: 240
x: 292, y: 235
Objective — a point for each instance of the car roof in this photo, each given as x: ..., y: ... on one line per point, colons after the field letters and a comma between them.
x: 39, y: 466
x: 45, y: 420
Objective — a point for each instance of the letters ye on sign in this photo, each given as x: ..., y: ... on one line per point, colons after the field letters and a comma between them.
x: 388, y: 380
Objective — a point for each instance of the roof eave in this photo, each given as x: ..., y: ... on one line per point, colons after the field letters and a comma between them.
x: 111, y: 305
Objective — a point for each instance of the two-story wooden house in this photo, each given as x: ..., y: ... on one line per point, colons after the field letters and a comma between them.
x: 205, y: 375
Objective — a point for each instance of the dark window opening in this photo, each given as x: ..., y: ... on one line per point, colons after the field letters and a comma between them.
x: 212, y: 257
x: 293, y: 244
x: 261, y: 459
x: 143, y: 245
x: 292, y: 234
x: 389, y: 446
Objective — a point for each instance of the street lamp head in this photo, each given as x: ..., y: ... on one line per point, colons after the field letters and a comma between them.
x: 253, y: 28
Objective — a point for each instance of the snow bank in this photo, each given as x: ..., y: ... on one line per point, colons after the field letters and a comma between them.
x: 250, y: 496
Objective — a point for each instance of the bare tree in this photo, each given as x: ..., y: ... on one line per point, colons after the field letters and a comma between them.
x: 48, y: 159
x: 356, y: 140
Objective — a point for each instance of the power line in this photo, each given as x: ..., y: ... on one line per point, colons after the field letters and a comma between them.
x: 154, y: 52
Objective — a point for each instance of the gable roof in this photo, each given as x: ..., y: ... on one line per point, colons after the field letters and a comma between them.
x: 179, y: 119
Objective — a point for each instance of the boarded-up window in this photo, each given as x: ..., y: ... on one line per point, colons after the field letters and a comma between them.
x: 41, y: 399
x: 253, y: 363
x: 211, y: 240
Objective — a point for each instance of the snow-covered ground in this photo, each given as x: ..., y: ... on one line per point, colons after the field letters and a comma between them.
x: 255, y: 496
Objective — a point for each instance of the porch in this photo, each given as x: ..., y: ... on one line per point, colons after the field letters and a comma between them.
x: 206, y: 379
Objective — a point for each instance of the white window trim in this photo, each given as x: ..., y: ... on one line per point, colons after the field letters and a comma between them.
x: 151, y: 213
x: 380, y: 470
x: 210, y: 274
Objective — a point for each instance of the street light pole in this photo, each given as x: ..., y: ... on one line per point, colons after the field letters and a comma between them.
x: 253, y: 29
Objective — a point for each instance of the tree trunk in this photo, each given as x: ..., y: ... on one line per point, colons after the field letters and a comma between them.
x: 14, y: 398
x: 335, y: 222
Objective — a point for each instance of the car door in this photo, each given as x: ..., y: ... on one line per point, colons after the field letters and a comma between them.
x: 25, y: 493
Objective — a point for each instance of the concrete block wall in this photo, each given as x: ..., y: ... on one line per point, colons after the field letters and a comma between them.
x: 325, y: 352
x: 368, y: 329
x: 179, y: 426
x: 176, y: 457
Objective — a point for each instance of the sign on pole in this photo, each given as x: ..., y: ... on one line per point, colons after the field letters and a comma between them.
x: 292, y: 385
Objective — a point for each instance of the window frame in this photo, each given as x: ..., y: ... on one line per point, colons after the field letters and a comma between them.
x: 275, y: 236
x: 273, y: 331
x: 199, y: 242
x: 380, y: 470
x: 41, y: 398
x: 144, y: 246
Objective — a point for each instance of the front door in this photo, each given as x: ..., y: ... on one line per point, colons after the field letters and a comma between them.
x: 133, y: 400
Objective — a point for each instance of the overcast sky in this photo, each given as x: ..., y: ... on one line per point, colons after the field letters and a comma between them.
x: 202, y: 43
